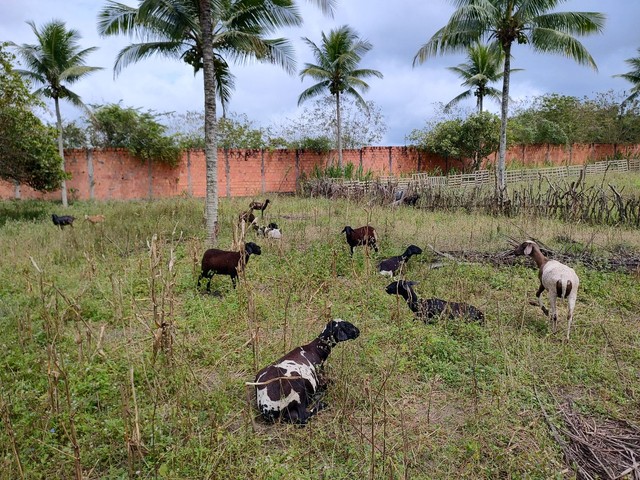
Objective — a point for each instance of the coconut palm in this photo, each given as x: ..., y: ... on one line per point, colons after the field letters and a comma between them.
x: 54, y: 62
x: 483, y: 66
x: 505, y: 22
x: 632, y: 76
x: 337, y: 71
x: 206, y: 34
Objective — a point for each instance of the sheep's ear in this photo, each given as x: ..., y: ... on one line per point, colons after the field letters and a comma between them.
x: 528, y: 249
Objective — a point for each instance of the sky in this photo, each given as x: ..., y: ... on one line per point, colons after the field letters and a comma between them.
x: 408, y: 96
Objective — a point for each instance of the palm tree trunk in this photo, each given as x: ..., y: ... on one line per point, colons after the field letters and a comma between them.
x: 339, y: 129
x: 63, y: 185
x: 210, y: 123
x: 502, y: 150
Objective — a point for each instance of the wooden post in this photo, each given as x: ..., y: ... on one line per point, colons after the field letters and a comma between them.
x: 150, y: 179
x: 17, y: 192
x: 390, y: 162
x: 90, y: 174
x: 297, y: 169
x: 262, y: 172
x: 189, y: 178
x: 227, y: 171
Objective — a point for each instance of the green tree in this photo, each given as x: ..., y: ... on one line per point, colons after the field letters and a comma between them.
x: 507, y: 22
x: 632, y: 76
x: 54, y: 62
x: 337, y: 71
x: 205, y: 34
x: 28, y: 151
x: 484, y: 66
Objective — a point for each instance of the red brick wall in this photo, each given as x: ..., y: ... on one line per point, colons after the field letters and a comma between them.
x: 117, y: 175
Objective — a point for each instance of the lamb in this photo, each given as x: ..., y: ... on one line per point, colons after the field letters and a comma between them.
x: 270, y: 231
x: 558, y: 279
x: 287, y: 390
x: 426, y: 309
x: 62, y: 220
x: 392, y: 265
x: 361, y: 236
x: 259, y: 206
x: 225, y: 263
x: 94, y: 218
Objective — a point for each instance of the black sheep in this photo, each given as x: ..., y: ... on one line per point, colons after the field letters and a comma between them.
x: 392, y: 265
x: 287, y: 389
x: 361, y: 236
x: 225, y: 263
x: 62, y: 220
x: 427, y: 308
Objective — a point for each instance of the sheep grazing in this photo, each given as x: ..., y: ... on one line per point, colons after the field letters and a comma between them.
x: 62, y: 220
x: 259, y: 206
x: 392, y: 265
x: 270, y: 231
x: 560, y: 280
x: 248, y: 217
x: 225, y: 263
x: 361, y: 236
x: 94, y: 218
x: 287, y: 389
x: 428, y: 308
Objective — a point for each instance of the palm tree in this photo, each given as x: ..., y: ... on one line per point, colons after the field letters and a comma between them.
x: 505, y: 22
x: 337, y: 71
x: 55, y: 62
x: 206, y: 34
x: 483, y: 66
x: 633, y: 76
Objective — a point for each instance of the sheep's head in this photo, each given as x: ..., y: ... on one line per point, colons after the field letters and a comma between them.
x: 339, y: 330
x: 525, y: 248
x: 412, y: 250
x: 252, y: 248
x: 347, y: 230
x: 402, y: 288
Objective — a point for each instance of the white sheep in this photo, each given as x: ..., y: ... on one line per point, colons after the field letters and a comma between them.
x: 557, y: 278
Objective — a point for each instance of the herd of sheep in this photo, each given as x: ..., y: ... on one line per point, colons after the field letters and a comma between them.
x: 290, y: 389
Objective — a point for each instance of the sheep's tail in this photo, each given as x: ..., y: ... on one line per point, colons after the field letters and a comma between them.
x: 563, y: 289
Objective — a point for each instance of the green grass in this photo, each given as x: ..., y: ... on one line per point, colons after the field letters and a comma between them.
x: 408, y: 400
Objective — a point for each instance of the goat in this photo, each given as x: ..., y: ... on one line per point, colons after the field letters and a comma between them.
x: 62, y: 220
x: 558, y: 279
x: 287, y: 389
x: 225, y: 263
x: 392, y: 265
x: 94, y: 218
x: 427, y: 308
x: 361, y: 236
x: 259, y: 206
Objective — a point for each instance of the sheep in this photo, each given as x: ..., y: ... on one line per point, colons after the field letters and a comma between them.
x: 248, y: 217
x: 558, y: 279
x: 287, y: 390
x: 361, y: 236
x: 392, y: 265
x: 427, y: 308
x: 62, y: 220
x: 270, y: 231
x: 225, y: 263
x: 94, y: 218
x: 259, y: 206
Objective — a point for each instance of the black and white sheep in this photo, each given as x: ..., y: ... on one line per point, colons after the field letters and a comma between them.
x: 560, y: 281
x: 62, y: 220
x: 225, y: 263
x: 392, y: 265
x: 287, y: 390
x: 361, y: 236
x: 427, y: 308
x: 270, y: 231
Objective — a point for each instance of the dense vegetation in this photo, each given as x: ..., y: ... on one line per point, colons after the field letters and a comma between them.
x: 114, y: 365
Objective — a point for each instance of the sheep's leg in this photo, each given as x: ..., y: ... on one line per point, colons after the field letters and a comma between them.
x: 553, y: 314
x: 233, y: 280
x: 209, y: 284
x: 572, y: 305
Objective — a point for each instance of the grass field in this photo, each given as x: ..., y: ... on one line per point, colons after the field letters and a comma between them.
x: 115, y: 366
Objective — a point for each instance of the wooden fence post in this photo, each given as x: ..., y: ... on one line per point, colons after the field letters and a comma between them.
x: 90, y: 174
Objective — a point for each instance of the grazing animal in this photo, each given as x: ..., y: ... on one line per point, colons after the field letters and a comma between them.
x: 248, y: 217
x: 225, y: 263
x: 287, y: 389
x: 62, y: 220
x: 270, y: 231
x: 392, y: 265
x: 259, y: 206
x: 560, y: 281
x: 361, y: 236
x: 94, y: 218
x: 427, y: 308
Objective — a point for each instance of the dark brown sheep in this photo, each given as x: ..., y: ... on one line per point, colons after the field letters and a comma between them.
x: 62, y: 220
x: 225, y: 263
x: 361, y: 236
x: 259, y: 206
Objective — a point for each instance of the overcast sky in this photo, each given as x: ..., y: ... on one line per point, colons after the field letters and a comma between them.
x: 406, y: 95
